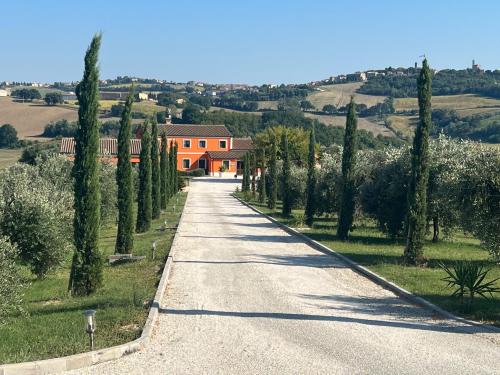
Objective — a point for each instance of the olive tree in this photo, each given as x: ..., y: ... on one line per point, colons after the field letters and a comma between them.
x: 36, y: 215
x: 11, y: 284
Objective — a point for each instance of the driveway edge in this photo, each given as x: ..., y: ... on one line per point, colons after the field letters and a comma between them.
x: 372, y: 275
x: 76, y: 361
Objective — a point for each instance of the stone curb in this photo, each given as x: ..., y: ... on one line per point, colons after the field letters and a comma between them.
x: 76, y: 361
x: 372, y: 275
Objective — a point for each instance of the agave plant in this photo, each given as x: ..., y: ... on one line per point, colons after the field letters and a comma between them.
x: 469, y: 280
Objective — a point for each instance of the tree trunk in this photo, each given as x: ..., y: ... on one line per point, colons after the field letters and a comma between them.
x: 435, y: 224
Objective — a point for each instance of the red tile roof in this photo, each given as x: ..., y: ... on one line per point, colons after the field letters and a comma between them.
x: 242, y: 144
x: 194, y: 130
x: 107, y: 146
x: 233, y: 154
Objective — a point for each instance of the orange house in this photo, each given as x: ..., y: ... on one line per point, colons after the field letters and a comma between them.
x: 208, y: 147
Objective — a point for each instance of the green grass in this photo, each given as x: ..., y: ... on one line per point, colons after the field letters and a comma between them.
x: 371, y: 248
x: 464, y: 104
x: 54, y: 323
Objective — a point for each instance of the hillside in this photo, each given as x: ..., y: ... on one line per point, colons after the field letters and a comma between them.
x: 29, y: 119
x: 340, y: 94
x: 363, y: 123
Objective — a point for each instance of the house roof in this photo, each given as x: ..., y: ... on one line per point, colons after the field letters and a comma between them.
x: 233, y: 154
x: 242, y: 143
x: 194, y: 130
x: 107, y: 146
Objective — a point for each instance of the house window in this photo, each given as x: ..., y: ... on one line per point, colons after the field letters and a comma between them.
x: 202, y: 163
x: 202, y: 143
x: 222, y: 144
x: 186, y: 163
x: 225, y: 163
x: 186, y: 143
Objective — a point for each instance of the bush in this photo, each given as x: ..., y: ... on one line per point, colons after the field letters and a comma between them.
x: 468, y: 279
x: 61, y: 128
x: 298, y: 182
x: 39, y: 151
x: 53, y: 98
x: 8, y: 136
x: 11, y: 284
x: 37, y: 216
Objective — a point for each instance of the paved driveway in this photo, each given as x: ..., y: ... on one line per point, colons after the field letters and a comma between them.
x: 246, y: 297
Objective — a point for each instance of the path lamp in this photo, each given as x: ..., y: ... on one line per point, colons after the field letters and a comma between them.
x: 153, y: 249
x: 90, y: 325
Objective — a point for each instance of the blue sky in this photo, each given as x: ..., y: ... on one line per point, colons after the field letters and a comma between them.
x: 249, y: 41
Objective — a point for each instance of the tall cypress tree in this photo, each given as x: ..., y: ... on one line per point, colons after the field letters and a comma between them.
x: 245, y: 184
x: 286, y: 176
x: 124, y: 236
x: 155, y: 171
x: 417, y: 189
x: 254, y: 173
x: 171, y: 169
x: 262, y: 180
x: 163, y: 173
x: 311, y: 181
x: 86, y: 268
x: 144, y: 204
x: 273, y: 176
x: 347, y: 205
x: 175, y: 171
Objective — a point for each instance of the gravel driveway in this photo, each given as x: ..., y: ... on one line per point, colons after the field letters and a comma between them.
x: 246, y: 297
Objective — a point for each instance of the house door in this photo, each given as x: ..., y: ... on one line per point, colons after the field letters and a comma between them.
x: 202, y: 164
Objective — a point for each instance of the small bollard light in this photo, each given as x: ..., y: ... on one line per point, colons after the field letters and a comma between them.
x: 153, y: 250
x: 90, y: 326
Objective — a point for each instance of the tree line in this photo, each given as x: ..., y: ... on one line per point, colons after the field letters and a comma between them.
x: 432, y: 186
x: 445, y: 82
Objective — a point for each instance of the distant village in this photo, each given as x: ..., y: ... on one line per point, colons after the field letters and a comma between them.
x: 109, y: 90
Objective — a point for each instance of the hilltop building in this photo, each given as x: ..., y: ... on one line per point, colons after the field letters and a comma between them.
x: 208, y: 147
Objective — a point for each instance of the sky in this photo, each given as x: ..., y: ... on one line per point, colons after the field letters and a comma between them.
x: 243, y: 41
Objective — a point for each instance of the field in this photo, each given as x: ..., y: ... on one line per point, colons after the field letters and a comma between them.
x: 403, y: 126
x: 29, y: 119
x: 465, y: 105
x: 340, y: 94
x: 9, y: 157
x: 53, y: 325
x: 370, y: 248
x: 363, y: 123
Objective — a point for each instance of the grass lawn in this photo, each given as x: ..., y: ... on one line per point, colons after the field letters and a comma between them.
x: 54, y: 323
x: 9, y: 156
x: 371, y: 248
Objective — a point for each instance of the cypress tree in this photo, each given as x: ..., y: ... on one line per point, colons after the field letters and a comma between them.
x: 125, y: 237
x: 245, y: 184
x: 144, y: 204
x: 273, y: 176
x: 286, y: 176
x: 86, y: 267
x: 417, y: 189
x: 175, y: 171
x: 155, y: 171
x: 311, y: 181
x: 171, y: 170
x: 254, y: 173
x: 262, y: 180
x: 347, y: 205
x: 163, y: 173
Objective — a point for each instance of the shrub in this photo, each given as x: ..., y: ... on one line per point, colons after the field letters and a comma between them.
x: 8, y: 136
x: 36, y: 215
x: 469, y: 280
x: 11, y: 284
x: 61, y: 128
